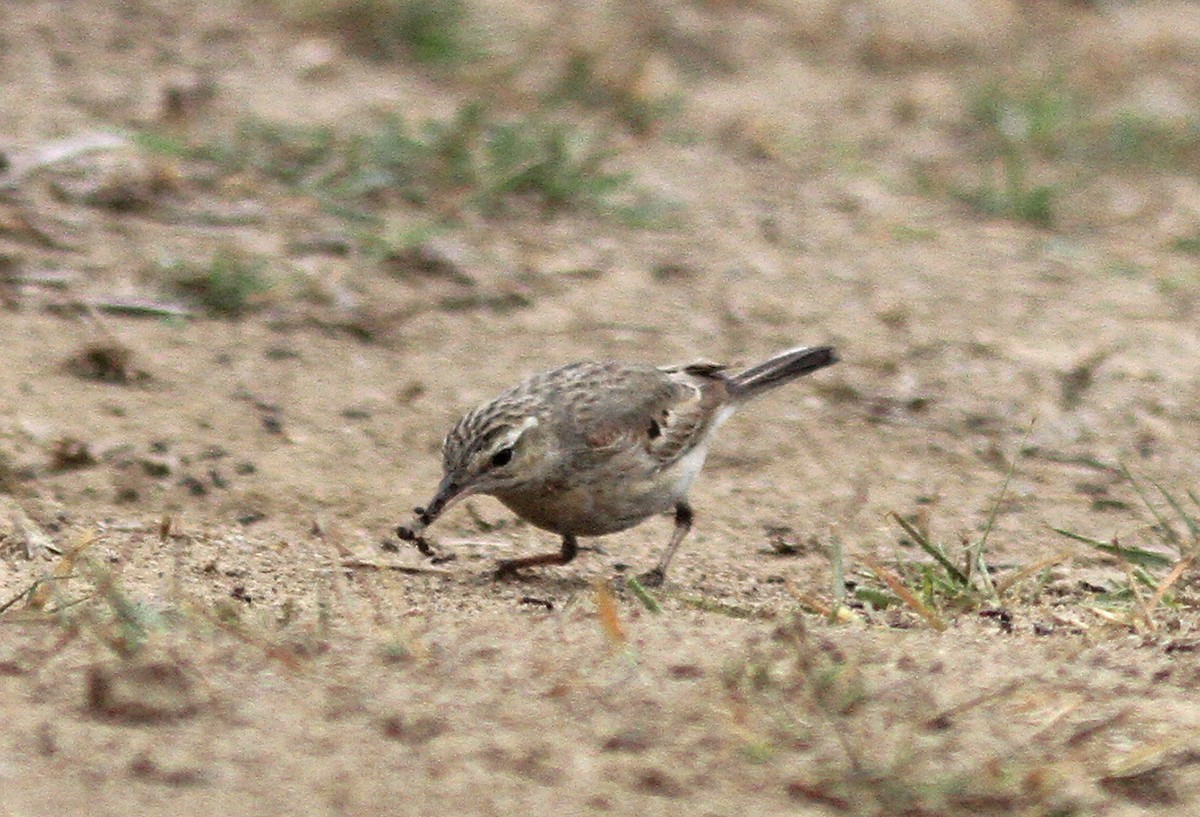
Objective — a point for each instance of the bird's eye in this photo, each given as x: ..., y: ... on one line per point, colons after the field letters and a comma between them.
x: 502, y: 457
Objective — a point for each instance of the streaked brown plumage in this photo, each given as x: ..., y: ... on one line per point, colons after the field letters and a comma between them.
x: 594, y: 448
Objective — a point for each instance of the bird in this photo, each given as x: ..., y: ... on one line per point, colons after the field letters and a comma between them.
x: 596, y: 447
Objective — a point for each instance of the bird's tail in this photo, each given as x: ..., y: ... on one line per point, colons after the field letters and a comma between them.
x: 780, y: 369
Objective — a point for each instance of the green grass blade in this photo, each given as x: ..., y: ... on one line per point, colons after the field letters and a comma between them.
x: 936, y: 585
x: 976, y: 551
x: 1190, y: 522
x: 161, y: 144
x: 1135, y: 556
x: 643, y: 595
x: 876, y: 598
x: 933, y: 550
x: 1078, y: 537
x: 838, y: 562
x: 1145, y: 578
x: 1192, y: 496
x: 24, y: 594
x: 1168, y: 531
x: 995, y: 510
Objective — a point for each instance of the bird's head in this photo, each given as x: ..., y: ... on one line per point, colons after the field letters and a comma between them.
x: 487, y: 452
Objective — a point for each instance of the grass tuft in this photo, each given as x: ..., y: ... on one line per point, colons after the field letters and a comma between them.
x: 1177, y: 531
x: 641, y: 113
x: 430, y: 32
x: 1189, y: 245
x: 839, y: 730
x: 472, y: 160
x: 1139, y: 140
x: 1019, y: 131
x: 1038, y: 136
x: 929, y: 589
x: 227, y: 285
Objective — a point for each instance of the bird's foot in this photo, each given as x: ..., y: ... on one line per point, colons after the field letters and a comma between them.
x: 507, y: 569
x: 652, y: 578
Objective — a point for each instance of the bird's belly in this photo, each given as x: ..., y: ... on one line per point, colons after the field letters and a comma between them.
x: 684, y: 472
x: 607, y: 501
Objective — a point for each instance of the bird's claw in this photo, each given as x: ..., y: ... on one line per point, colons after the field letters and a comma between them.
x: 652, y: 578
x: 505, y: 570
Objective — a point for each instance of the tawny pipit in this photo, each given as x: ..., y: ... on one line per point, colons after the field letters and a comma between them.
x: 594, y: 448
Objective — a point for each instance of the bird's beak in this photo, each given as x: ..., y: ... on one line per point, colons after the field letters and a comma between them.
x: 450, y: 490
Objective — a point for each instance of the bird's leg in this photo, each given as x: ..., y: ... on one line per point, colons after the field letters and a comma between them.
x: 683, y: 524
x: 570, y: 547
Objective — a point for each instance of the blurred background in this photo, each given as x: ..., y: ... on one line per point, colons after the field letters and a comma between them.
x: 356, y: 219
x: 257, y: 255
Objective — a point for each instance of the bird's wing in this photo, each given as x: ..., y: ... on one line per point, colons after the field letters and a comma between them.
x: 663, y: 412
x: 685, y: 422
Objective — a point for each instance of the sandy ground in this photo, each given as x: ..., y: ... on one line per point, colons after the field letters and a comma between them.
x: 231, y: 635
